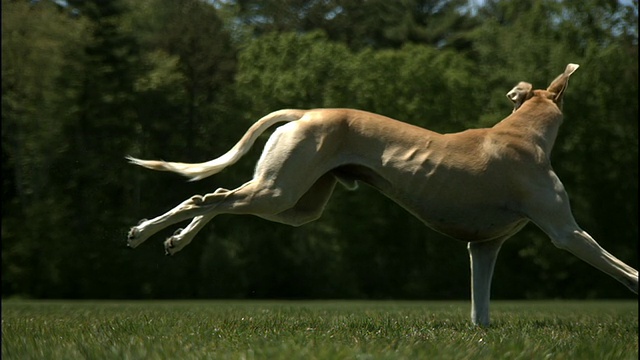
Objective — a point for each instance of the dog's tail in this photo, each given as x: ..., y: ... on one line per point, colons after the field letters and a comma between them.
x: 198, y: 171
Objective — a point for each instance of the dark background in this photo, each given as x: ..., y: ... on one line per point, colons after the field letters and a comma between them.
x: 85, y: 83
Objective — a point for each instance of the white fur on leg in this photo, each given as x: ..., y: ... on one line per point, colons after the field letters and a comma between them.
x: 582, y: 245
x: 483, y: 257
x: 182, y: 238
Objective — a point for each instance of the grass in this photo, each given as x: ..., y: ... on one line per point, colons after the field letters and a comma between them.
x: 316, y: 330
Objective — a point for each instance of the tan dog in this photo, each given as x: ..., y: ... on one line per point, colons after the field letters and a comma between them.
x: 481, y: 185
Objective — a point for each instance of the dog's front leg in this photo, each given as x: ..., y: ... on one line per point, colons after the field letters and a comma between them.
x: 483, y: 257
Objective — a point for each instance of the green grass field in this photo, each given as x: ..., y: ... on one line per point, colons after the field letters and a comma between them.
x: 316, y: 330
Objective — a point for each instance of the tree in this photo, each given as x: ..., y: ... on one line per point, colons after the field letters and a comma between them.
x: 38, y: 38
x: 359, y: 24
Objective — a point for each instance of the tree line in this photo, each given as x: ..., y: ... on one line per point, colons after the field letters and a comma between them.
x: 85, y: 83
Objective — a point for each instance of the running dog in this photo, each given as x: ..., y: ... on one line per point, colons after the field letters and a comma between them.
x: 480, y: 185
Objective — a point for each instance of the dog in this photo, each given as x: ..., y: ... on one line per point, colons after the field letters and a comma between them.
x: 480, y: 186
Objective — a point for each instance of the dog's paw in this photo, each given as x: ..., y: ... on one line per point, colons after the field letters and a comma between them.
x: 176, y: 242
x: 133, y: 237
x: 170, y: 244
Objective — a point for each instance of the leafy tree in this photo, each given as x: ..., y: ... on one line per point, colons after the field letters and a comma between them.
x: 359, y: 24
x: 38, y: 38
x: 290, y: 70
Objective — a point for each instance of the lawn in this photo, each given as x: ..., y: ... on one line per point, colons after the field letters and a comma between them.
x: 316, y: 330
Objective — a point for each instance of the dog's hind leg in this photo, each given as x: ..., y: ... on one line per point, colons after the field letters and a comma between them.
x: 195, y: 206
x: 147, y: 228
x: 310, y: 206
x: 263, y: 198
x: 307, y: 209
x: 182, y: 237
x: 280, y: 191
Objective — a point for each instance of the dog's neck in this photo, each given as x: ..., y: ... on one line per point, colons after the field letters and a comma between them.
x: 537, y: 120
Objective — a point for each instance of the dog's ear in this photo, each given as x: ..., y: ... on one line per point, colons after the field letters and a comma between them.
x: 519, y: 94
x: 559, y: 84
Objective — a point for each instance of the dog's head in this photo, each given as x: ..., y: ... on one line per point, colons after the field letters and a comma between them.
x: 524, y: 91
x: 520, y: 93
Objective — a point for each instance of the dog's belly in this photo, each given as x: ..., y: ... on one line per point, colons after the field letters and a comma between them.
x: 463, y: 217
x: 465, y: 221
x: 479, y: 228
